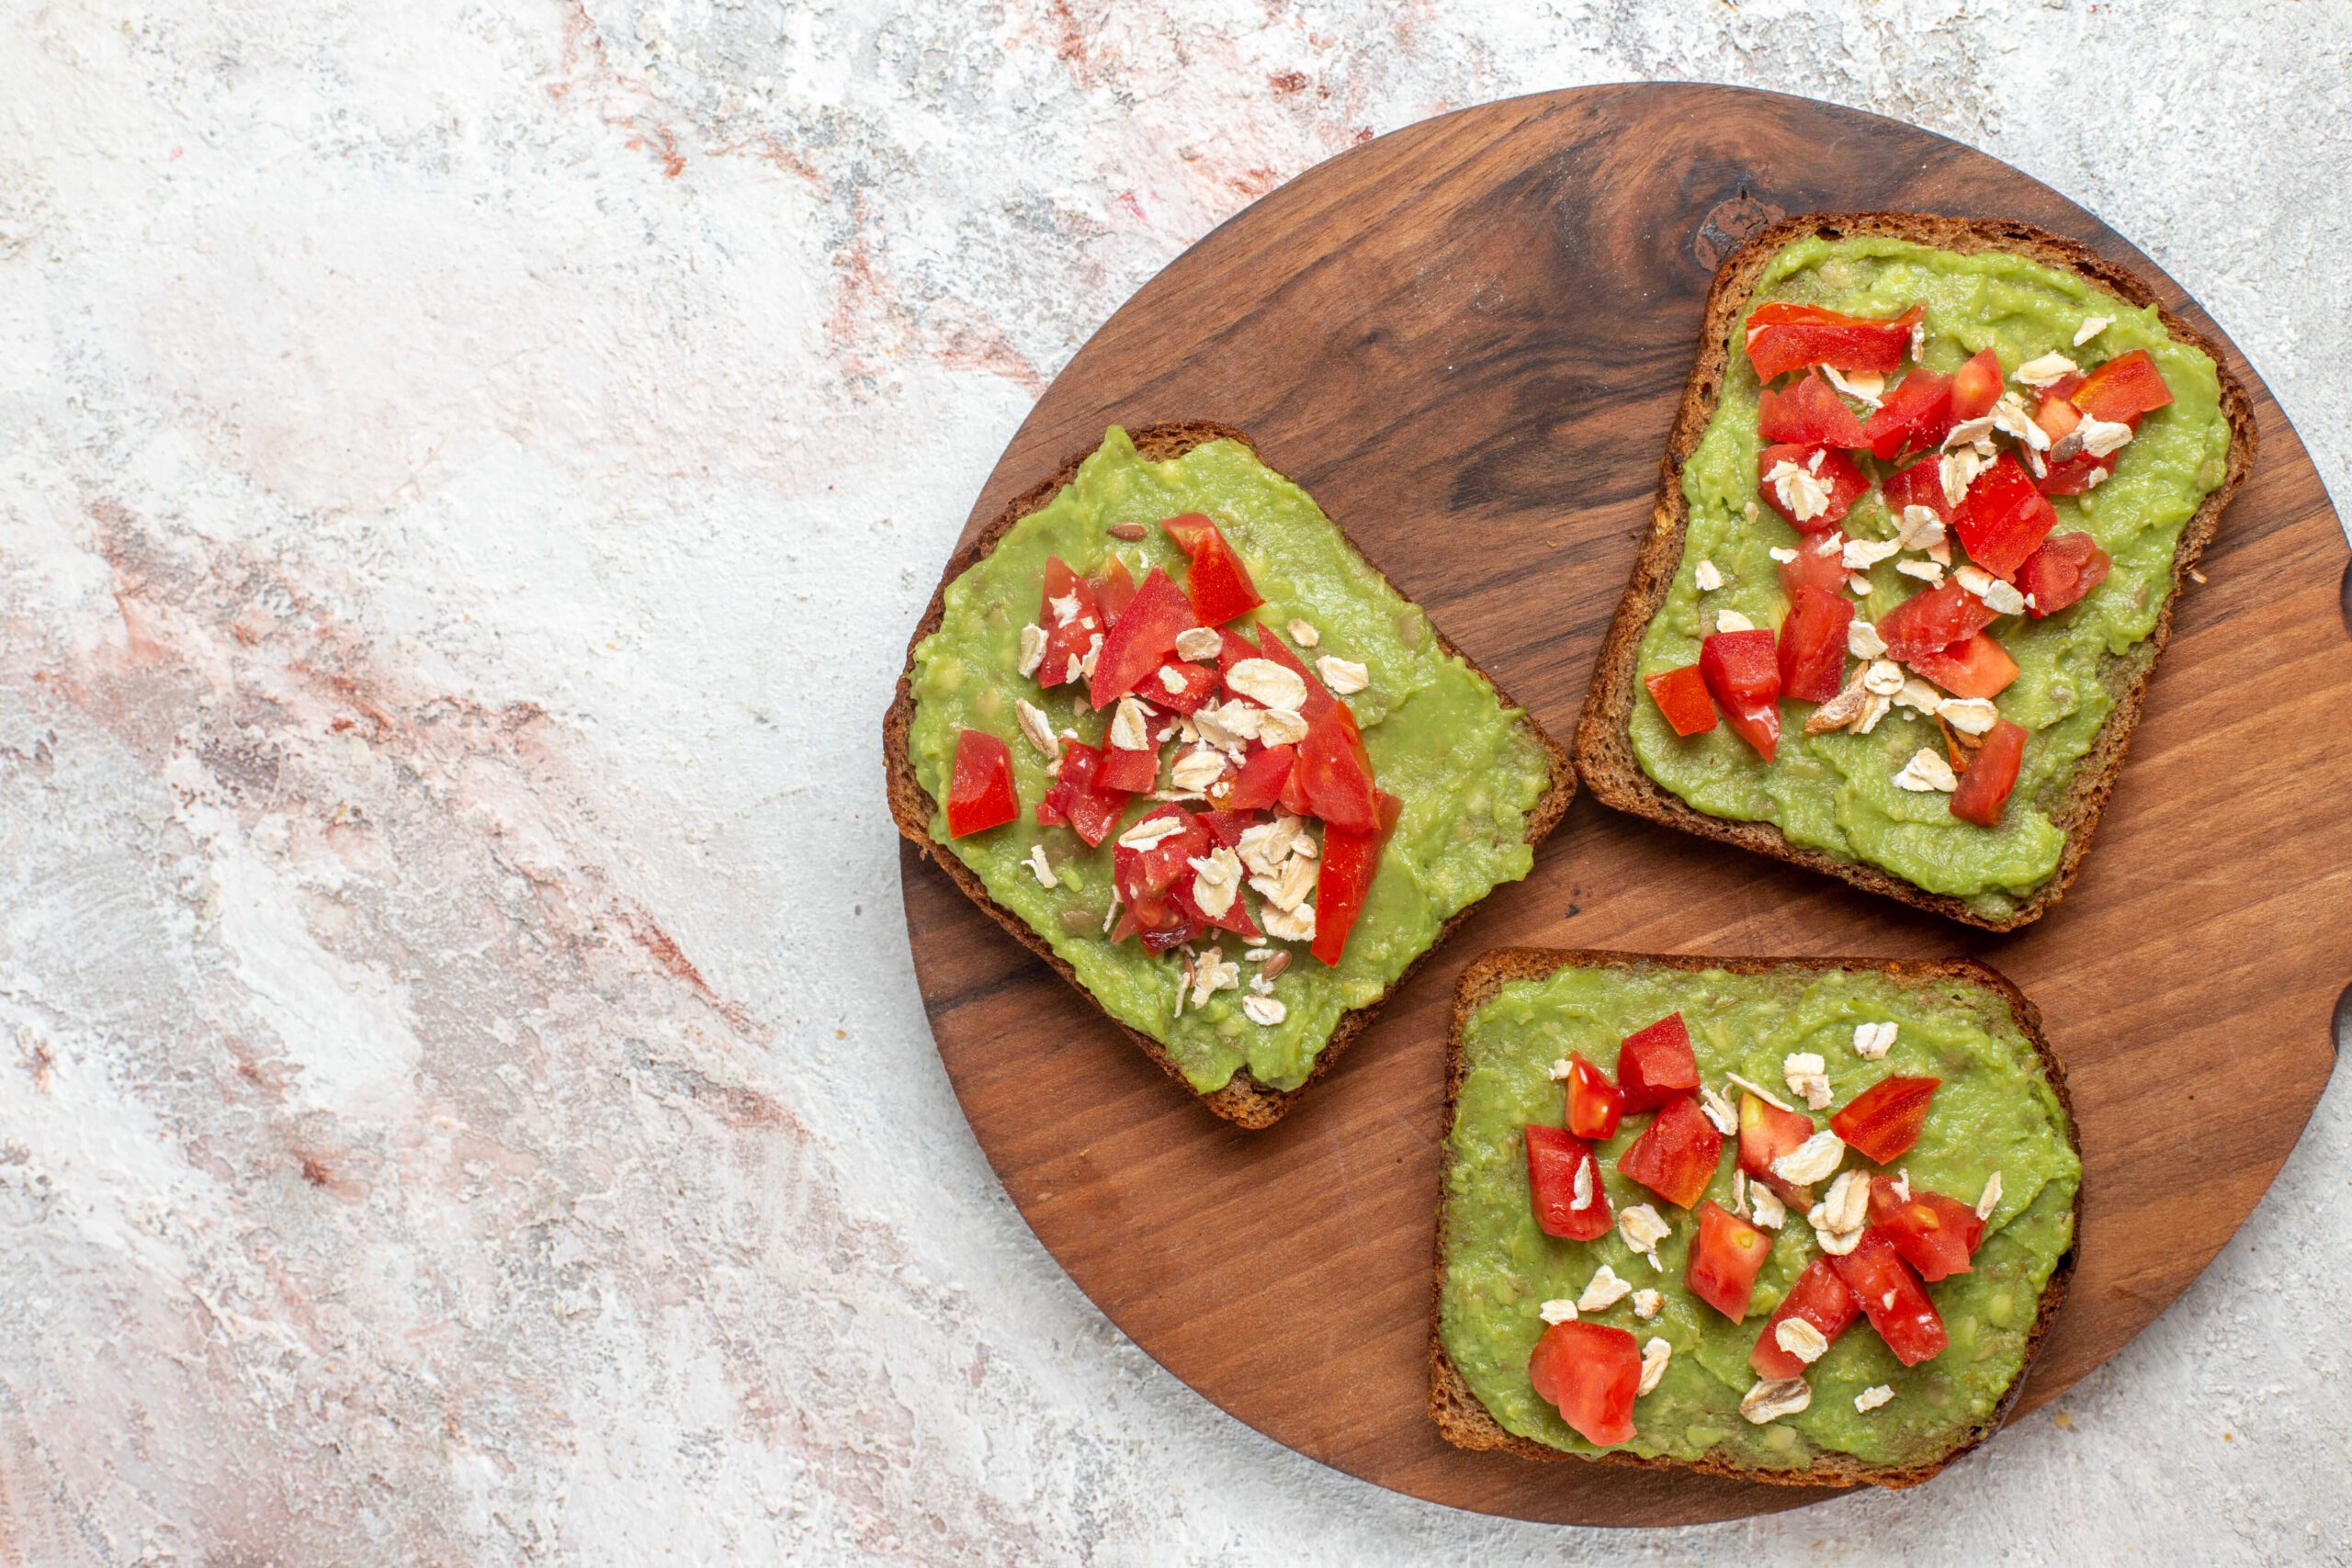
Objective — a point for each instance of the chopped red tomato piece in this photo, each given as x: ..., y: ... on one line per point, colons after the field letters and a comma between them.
x: 1258, y: 784
x: 1932, y: 620
x: 1992, y: 775
x: 1675, y: 1156
x: 1813, y: 646
x: 1179, y: 685
x: 1973, y: 667
x: 1936, y: 1235
x: 1682, y: 696
x: 1554, y: 1158
x: 1784, y: 337
x: 1766, y: 1133
x: 2003, y: 518
x: 1810, y: 569
x: 1144, y: 634
x: 1914, y: 415
x: 2066, y: 567
x: 1743, y: 674
x: 1115, y: 589
x: 1976, y: 386
x: 1921, y: 484
x: 1833, y: 469
x: 1080, y: 798
x: 979, y: 794
x: 1595, y: 1105
x: 1724, y: 1260
x: 1144, y: 876
x: 1334, y: 773
x: 1350, y: 860
x: 1225, y: 828
x: 2077, y: 474
x: 1134, y: 772
x: 2123, y: 389
x: 1657, y: 1064
x: 1821, y: 1299
x: 1883, y: 1121
x: 2055, y: 414
x: 1809, y: 413
x: 1220, y: 588
x: 1185, y: 532
x: 1072, y: 620
x: 1891, y: 1297
x: 1589, y: 1373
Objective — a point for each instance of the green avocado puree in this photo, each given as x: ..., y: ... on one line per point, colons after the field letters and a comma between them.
x: 1996, y: 1110
x: 1467, y: 769
x: 1835, y: 792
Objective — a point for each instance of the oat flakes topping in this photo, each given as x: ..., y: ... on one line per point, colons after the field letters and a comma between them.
x: 1033, y: 648
x: 1871, y: 1398
x: 1801, y: 1339
x: 1194, y: 644
x: 1264, y: 681
x: 1344, y: 676
x: 1655, y: 1353
x: 1772, y: 1398
x: 1303, y: 634
x: 1926, y: 771
x: 1605, y: 1289
x: 1812, y: 1160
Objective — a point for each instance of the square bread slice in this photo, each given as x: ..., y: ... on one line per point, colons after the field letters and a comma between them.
x: 1510, y: 1268
x: 1243, y: 1099
x: 1606, y: 757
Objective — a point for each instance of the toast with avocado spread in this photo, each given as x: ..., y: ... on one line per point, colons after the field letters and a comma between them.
x: 1165, y: 723
x: 1934, y: 489
x: 1795, y: 1220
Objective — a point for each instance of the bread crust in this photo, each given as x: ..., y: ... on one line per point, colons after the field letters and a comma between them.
x: 1605, y: 758
x: 1465, y: 1423
x: 1242, y: 1100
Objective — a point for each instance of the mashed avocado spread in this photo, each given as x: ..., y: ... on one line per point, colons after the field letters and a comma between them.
x: 1835, y: 792
x: 1467, y: 769
x: 1996, y: 1112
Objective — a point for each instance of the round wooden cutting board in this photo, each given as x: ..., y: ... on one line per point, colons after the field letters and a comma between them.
x: 1467, y: 340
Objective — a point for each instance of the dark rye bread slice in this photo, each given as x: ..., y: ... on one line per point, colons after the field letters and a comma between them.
x: 1464, y: 1422
x: 1243, y: 1100
x: 1605, y: 750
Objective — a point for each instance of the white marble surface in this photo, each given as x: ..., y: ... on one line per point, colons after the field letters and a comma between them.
x: 466, y: 470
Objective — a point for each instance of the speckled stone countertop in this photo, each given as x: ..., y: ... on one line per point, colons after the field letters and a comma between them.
x: 466, y: 472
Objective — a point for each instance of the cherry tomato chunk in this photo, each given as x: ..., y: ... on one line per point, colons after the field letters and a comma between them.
x: 1682, y: 696
x: 1892, y: 1298
x: 1553, y: 1158
x: 1595, y: 1105
x: 1821, y: 1299
x: 979, y: 793
x: 1655, y: 1064
x: 1992, y: 775
x: 1676, y: 1155
x: 1883, y: 1121
x: 1589, y: 1373
x: 1743, y: 674
x: 1812, y: 645
x: 1725, y: 1258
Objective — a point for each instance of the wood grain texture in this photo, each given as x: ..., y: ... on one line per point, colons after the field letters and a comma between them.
x: 1468, y: 339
